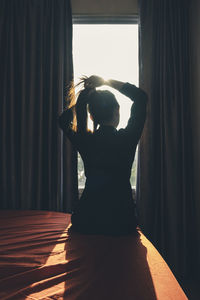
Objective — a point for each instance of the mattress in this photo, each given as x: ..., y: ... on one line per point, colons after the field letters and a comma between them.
x: 41, y: 258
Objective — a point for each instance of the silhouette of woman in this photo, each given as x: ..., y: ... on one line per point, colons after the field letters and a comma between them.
x: 106, y: 204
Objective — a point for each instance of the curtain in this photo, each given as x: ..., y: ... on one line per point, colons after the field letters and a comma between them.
x: 165, y: 184
x: 38, y: 165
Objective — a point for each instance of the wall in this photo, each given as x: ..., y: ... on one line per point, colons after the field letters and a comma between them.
x: 104, y: 7
x: 195, y: 98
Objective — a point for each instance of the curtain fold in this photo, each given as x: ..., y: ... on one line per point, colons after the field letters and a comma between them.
x: 36, y: 68
x: 165, y: 184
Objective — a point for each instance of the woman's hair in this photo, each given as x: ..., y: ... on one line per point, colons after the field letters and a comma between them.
x: 101, y: 104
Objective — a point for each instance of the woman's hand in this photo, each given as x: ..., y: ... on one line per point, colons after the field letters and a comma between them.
x: 93, y: 82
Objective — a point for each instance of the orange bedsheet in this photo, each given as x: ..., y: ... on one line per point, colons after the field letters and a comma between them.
x: 40, y: 259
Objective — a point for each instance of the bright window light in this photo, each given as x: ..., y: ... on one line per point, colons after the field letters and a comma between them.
x: 109, y: 51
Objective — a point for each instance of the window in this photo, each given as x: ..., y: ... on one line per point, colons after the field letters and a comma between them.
x: 107, y: 47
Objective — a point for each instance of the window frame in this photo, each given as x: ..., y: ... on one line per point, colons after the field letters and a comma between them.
x: 105, y: 19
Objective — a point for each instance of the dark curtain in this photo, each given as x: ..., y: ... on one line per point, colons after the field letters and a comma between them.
x: 38, y: 167
x: 164, y: 190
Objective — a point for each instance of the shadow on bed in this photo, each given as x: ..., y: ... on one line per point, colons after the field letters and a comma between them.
x: 107, y: 267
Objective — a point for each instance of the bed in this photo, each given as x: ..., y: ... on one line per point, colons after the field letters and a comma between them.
x: 40, y: 258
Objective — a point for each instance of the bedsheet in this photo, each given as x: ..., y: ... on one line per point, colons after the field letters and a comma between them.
x: 40, y: 258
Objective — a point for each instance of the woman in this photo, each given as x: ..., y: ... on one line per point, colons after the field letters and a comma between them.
x: 106, y: 205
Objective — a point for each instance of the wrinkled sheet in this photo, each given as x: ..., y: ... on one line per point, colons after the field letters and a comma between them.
x: 41, y: 259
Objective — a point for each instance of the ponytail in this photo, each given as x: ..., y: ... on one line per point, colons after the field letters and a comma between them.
x: 79, y: 106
